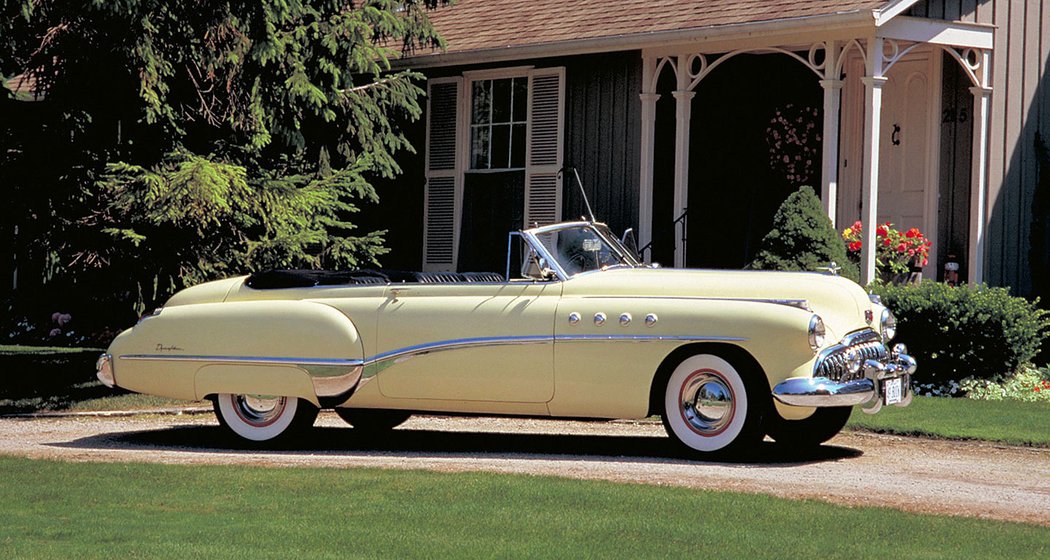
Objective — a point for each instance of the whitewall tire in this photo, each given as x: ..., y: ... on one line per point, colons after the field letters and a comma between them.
x: 263, y: 418
x: 708, y: 406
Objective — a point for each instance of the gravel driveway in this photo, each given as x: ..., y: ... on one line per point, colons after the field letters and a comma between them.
x: 921, y: 475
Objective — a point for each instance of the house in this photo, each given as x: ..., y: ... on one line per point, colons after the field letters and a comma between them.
x: 691, y: 121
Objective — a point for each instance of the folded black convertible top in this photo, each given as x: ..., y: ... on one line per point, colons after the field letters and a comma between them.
x: 297, y: 278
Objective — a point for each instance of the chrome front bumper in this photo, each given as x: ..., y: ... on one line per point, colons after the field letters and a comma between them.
x: 867, y: 391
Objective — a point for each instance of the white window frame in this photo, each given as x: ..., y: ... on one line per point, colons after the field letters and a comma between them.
x: 464, y: 108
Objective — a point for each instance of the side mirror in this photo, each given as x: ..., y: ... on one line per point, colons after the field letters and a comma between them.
x: 631, y: 243
x: 536, y: 267
x: 546, y: 272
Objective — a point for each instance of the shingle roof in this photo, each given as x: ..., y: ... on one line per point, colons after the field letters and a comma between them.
x: 478, y: 25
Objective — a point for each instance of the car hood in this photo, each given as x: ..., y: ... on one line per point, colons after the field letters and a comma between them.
x: 839, y: 301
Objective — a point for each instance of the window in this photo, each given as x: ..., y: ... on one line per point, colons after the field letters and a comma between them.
x: 499, y: 114
x: 493, y: 155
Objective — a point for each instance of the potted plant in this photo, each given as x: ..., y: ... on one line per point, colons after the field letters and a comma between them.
x: 899, y: 256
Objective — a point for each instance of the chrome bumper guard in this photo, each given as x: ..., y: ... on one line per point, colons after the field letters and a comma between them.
x: 867, y: 391
x: 104, y: 370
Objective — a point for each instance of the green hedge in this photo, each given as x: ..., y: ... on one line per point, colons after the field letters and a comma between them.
x: 956, y: 333
x: 34, y: 379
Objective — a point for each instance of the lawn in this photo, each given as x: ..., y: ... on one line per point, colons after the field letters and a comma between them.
x: 43, y: 378
x: 18, y: 350
x: 1007, y: 421
x: 87, y: 510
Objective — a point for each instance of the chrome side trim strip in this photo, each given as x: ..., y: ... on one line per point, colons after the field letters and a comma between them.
x: 253, y: 360
x: 802, y: 304
x: 336, y: 376
x: 383, y: 360
x: 330, y: 376
x: 643, y: 338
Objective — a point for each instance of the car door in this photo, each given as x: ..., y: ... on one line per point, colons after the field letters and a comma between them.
x: 468, y: 342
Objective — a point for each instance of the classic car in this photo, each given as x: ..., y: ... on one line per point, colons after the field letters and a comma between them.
x: 581, y: 329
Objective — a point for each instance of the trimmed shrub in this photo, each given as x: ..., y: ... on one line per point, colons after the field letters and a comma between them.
x: 956, y: 333
x: 803, y: 238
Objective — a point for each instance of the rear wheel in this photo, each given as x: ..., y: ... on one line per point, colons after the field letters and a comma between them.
x: 263, y: 418
x: 710, y: 405
x: 824, y: 424
x: 373, y: 420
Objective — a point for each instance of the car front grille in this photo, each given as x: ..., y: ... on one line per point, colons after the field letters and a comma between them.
x: 833, y: 362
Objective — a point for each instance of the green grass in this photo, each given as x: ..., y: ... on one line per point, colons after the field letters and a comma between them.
x: 87, y: 510
x: 1007, y: 421
x: 38, y: 378
x: 130, y: 401
x: 16, y: 350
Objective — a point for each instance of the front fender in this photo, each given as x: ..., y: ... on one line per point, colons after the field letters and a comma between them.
x: 609, y: 349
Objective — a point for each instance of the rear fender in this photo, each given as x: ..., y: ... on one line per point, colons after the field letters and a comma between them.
x: 257, y: 380
x: 282, y: 348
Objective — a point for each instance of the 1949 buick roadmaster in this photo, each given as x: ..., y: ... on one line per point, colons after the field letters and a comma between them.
x: 585, y: 330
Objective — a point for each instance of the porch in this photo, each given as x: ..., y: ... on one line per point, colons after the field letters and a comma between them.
x: 882, y: 90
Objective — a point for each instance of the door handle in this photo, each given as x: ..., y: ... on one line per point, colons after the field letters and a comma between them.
x: 896, y: 136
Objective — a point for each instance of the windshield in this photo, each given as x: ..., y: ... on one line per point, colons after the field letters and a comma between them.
x: 582, y: 247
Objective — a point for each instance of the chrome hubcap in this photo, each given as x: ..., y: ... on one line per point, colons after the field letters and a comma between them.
x: 707, y: 403
x: 259, y: 410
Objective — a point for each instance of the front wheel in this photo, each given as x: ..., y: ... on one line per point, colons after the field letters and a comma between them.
x: 263, y: 418
x: 710, y: 406
x: 824, y: 424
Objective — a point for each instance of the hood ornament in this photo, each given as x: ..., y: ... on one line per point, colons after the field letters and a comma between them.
x: 833, y: 268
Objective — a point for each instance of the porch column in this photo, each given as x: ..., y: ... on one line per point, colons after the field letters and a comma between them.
x: 832, y: 109
x: 873, y: 83
x: 683, y: 111
x: 982, y: 98
x: 645, y: 182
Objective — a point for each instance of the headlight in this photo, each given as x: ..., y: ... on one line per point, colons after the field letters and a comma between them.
x: 816, y: 332
x: 888, y: 325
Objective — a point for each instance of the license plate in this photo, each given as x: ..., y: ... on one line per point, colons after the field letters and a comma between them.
x: 891, y: 389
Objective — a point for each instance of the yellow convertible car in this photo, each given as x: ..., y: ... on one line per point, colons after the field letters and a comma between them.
x: 581, y: 329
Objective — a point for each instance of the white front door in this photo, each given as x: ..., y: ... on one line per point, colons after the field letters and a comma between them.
x: 908, y: 146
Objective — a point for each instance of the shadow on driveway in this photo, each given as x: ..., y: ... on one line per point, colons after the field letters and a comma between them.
x: 404, y: 442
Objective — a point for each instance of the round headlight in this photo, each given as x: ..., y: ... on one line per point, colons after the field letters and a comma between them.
x: 816, y: 332
x: 888, y: 325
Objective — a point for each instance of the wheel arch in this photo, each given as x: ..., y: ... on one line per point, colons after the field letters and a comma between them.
x: 739, y: 357
x: 280, y: 381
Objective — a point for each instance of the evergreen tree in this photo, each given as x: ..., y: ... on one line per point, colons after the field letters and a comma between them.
x: 182, y: 140
x: 803, y: 238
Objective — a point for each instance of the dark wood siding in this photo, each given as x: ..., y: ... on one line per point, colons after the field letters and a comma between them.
x: 400, y: 207
x: 602, y: 137
x: 1018, y: 251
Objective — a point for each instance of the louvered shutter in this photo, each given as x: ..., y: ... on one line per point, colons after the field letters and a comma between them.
x: 543, y: 158
x: 443, y: 173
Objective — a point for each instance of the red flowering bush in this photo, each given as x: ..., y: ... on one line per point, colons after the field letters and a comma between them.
x: 895, y: 253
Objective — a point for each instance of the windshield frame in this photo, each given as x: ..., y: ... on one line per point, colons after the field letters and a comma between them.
x: 532, y: 237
